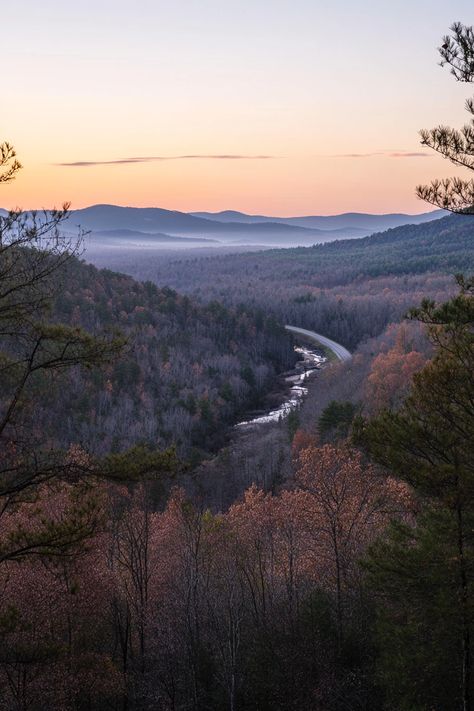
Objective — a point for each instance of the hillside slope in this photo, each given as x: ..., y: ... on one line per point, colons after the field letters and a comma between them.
x: 349, y: 289
x: 187, y: 372
x: 445, y: 245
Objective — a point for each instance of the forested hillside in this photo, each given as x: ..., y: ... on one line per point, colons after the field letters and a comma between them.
x: 187, y: 372
x: 349, y: 290
x: 204, y: 507
x: 280, y: 575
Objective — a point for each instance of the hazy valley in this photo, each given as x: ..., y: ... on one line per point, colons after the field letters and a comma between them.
x: 236, y: 445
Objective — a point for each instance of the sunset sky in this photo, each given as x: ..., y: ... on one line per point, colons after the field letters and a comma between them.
x: 267, y: 106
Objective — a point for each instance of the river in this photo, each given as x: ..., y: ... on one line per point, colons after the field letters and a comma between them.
x: 311, y: 361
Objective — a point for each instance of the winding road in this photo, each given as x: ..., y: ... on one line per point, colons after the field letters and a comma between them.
x: 338, y: 350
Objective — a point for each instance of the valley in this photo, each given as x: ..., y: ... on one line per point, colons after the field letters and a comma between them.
x: 213, y: 446
x: 237, y: 356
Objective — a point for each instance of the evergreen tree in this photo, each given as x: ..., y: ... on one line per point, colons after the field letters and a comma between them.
x: 423, y: 570
x: 454, y: 194
x: 335, y: 420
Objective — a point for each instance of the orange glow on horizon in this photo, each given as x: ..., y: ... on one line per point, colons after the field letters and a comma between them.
x: 276, y: 187
x: 108, y: 82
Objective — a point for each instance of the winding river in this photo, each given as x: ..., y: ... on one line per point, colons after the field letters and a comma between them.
x: 311, y: 361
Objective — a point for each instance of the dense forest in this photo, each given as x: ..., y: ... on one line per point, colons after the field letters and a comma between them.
x: 348, y: 290
x: 187, y: 371
x: 264, y: 605
x: 153, y: 556
x: 259, y: 579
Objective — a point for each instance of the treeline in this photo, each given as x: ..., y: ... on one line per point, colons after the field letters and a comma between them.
x: 187, y: 372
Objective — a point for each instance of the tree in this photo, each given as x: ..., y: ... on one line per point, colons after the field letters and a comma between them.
x: 423, y: 570
x: 390, y: 376
x: 424, y: 574
x: 292, y: 423
x: 335, y: 420
x: 34, y: 351
x: 349, y: 503
x: 454, y: 194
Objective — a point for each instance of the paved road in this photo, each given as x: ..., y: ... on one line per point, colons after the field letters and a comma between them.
x: 338, y: 350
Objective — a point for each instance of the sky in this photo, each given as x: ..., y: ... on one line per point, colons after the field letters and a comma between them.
x: 281, y: 107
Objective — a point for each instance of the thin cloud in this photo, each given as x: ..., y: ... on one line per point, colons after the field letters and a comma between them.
x: 385, y: 154
x: 152, y: 159
x: 355, y: 155
x: 406, y: 154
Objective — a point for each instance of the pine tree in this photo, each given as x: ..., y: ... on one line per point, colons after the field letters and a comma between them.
x: 423, y: 571
x: 457, y: 145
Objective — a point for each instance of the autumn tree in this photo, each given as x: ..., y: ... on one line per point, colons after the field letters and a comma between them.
x: 390, y: 376
x: 348, y: 503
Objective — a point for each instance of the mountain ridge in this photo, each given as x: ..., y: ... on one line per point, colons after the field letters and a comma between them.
x: 343, y: 220
x: 236, y: 227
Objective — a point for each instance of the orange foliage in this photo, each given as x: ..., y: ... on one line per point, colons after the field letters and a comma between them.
x: 392, y: 373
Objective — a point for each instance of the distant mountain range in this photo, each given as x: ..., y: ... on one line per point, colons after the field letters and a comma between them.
x: 98, y: 218
x: 158, y: 225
